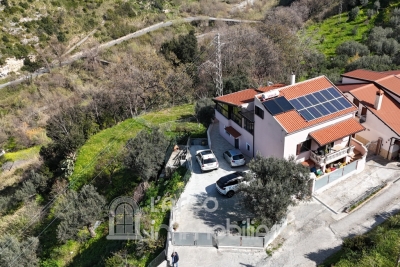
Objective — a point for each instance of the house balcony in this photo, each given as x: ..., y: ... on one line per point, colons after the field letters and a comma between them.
x: 335, y: 153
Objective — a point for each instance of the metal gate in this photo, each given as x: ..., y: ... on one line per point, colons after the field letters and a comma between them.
x: 193, y: 239
x: 240, y: 241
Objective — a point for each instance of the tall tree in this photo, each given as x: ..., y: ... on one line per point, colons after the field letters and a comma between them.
x: 275, y: 185
x: 77, y: 210
x: 18, y: 254
x: 146, y: 153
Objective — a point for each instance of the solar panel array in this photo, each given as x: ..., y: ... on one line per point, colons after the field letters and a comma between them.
x: 319, y: 104
x: 277, y: 105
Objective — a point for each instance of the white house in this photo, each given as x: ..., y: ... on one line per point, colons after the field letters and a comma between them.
x: 311, y: 120
x: 377, y: 98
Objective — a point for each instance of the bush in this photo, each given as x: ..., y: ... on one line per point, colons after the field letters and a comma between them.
x: 354, y: 13
x: 352, y: 48
x: 204, y: 111
x: 375, y: 62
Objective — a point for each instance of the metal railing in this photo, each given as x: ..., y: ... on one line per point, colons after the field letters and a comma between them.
x: 159, y: 259
x: 330, y: 157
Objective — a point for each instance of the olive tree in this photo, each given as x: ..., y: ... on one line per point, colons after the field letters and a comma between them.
x: 275, y: 185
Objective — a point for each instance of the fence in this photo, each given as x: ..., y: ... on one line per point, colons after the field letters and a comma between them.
x: 333, y: 176
x: 159, y: 259
x: 193, y: 239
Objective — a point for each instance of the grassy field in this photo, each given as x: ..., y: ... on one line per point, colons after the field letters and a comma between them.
x: 108, y: 143
x: 335, y: 30
x: 380, y: 247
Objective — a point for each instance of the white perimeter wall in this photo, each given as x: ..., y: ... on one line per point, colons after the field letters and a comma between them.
x: 245, y: 137
x: 292, y: 140
x: 269, y: 136
x: 375, y: 128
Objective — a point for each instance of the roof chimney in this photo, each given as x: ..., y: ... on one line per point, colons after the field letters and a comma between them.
x: 378, y: 99
x: 292, y: 79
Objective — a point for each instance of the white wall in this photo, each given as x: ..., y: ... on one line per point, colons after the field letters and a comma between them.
x: 346, y: 80
x: 292, y: 140
x: 269, y: 137
x: 245, y: 137
x: 375, y: 128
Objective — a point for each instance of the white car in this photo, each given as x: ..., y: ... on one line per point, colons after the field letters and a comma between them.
x: 207, y: 160
x: 227, y: 185
x: 234, y: 157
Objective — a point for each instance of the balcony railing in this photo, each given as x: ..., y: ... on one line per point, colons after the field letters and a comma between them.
x: 332, y: 156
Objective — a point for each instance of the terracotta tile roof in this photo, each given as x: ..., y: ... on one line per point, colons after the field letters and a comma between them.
x: 271, y: 87
x: 391, y: 83
x: 392, y: 72
x: 232, y: 131
x: 390, y: 108
x: 238, y: 98
x: 366, y: 75
x: 337, y: 131
x: 306, y: 87
x: 292, y: 121
x: 344, y: 88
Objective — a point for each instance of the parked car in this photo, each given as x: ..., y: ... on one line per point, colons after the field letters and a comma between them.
x: 207, y: 160
x: 234, y: 157
x: 227, y: 185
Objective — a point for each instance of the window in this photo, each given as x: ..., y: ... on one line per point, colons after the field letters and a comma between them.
x: 247, y: 146
x: 259, y: 112
x: 303, y: 147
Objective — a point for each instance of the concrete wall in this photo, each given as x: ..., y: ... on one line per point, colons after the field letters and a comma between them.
x: 360, y: 147
x: 346, y: 80
x: 292, y: 140
x: 245, y: 137
x: 375, y: 128
x: 269, y: 137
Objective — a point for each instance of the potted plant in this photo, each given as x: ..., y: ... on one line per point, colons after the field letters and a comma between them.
x: 175, y: 226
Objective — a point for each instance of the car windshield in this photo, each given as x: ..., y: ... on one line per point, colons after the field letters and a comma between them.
x: 236, y: 157
x: 210, y: 160
x: 207, y: 152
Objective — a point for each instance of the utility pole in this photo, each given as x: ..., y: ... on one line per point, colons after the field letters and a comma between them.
x: 340, y: 11
x: 218, y: 65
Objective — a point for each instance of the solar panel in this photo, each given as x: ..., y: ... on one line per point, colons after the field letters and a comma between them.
x: 272, y: 107
x: 296, y: 104
x: 322, y: 110
x: 319, y: 96
x: 337, y: 105
x: 312, y: 99
x: 306, y: 115
x: 304, y: 102
x: 344, y: 102
x: 334, y: 92
x: 314, y: 112
x: 283, y: 103
x: 327, y: 95
x: 329, y: 107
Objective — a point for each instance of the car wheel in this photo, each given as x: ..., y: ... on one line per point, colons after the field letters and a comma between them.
x: 230, y: 194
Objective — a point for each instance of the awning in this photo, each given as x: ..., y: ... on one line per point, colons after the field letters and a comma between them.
x: 337, y: 131
x: 232, y: 132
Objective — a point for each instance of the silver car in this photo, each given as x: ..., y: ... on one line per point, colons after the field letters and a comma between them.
x: 234, y: 157
x: 207, y: 160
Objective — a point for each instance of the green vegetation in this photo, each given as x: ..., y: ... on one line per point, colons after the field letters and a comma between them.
x: 379, y: 247
x: 108, y: 143
x: 333, y: 31
x: 24, y: 154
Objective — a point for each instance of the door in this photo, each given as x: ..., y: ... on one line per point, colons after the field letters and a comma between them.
x: 237, y: 143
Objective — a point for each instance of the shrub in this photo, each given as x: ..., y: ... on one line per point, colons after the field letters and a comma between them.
x: 352, y: 48
x: 354, y: 13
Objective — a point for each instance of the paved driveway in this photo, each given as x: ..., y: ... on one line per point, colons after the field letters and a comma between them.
x: 201, y: 207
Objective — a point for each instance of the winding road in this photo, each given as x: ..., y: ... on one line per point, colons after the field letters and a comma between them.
x: 125, y: 38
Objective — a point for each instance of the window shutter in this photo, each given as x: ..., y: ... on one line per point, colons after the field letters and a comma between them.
x: 298, y: 149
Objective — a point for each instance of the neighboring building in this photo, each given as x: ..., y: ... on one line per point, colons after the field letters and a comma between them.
x: 310, y: 120
x: 377, y: 98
